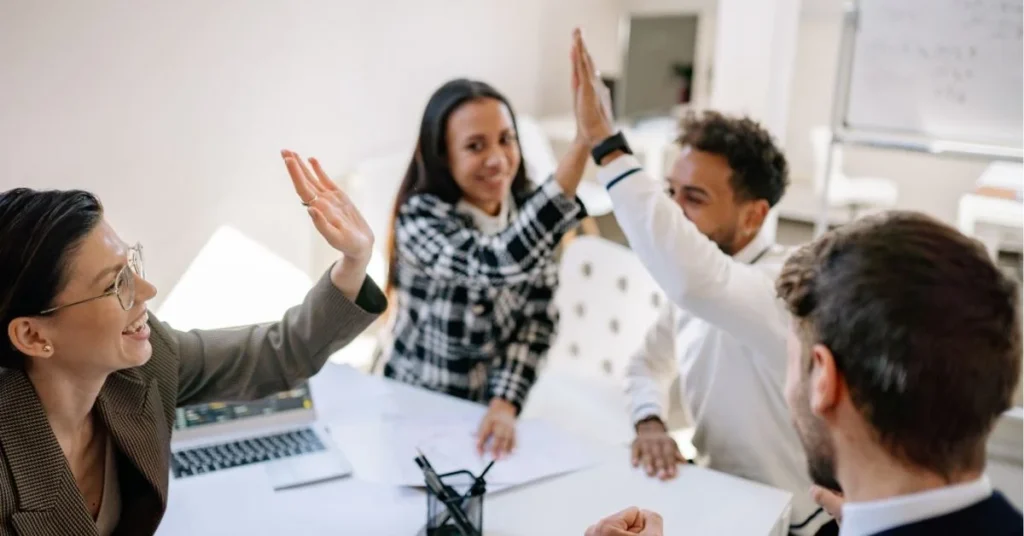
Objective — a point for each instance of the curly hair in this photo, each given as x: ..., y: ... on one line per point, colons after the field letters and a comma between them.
x: 759, y: 168
x: 924, y: 328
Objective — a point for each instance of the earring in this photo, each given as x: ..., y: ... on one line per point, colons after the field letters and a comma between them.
x: 47, y: 348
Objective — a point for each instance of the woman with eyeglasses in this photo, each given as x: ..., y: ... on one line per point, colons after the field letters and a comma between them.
x: 90, y: 378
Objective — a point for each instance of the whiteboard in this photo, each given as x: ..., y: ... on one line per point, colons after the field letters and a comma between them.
x: 941, y: 69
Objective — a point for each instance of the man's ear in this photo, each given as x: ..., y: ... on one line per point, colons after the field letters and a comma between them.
x: 26, y: 335
x: 754, y: 215
x: 824, y: 382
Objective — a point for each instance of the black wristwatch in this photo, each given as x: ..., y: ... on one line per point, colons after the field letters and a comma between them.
x: 615, y: 142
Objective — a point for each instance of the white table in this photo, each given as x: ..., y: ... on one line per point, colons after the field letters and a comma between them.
x: 992, y: 220
x: 240, y: 501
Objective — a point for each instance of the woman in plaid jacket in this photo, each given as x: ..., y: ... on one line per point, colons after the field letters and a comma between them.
x: 472, y: 267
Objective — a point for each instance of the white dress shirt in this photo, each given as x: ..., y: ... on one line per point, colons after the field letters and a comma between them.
x: 726, y: 338
x: 872, y: 517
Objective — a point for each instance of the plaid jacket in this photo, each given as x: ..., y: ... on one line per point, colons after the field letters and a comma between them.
x: 474, y: 314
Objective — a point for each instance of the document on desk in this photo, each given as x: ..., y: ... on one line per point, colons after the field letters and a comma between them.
x: 384, y: 451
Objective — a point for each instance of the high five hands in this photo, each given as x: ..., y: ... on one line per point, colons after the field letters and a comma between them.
x: 336, y: 218
x: 591, y: 98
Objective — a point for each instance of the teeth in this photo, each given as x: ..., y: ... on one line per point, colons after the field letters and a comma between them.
x: 136, y: 326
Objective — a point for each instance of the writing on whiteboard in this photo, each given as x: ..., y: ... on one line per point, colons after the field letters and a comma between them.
x: 948, y: 69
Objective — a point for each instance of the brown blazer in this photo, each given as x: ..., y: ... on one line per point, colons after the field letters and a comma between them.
x: 38, y: 495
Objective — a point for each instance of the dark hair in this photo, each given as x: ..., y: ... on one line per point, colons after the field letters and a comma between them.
x: 39, y: 233
x: 759, y: 169
x: 429, y: 172
x: 925, y: 330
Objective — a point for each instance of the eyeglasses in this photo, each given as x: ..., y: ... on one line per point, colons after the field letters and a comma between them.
x: 124, y: 283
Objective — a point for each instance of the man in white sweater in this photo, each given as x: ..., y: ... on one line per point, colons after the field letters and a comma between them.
x: 725, y: 333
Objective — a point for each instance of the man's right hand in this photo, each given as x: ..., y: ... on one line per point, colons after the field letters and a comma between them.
x: 655, y: 450
x: 591, y: 98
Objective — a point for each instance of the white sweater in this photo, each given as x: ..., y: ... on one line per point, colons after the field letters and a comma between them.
x: 725, y: 338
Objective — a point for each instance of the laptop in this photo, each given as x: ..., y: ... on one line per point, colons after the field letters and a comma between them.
x: 279, y: 434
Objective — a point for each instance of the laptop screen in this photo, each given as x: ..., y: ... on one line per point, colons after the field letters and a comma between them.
x: 202, y: 414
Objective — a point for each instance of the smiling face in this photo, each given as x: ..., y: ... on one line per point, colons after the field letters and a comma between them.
x: 96, y: 336
x: 700, y: 183
x: 483, y: 152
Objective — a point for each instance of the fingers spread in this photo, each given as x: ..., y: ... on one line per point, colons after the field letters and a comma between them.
x: 303, y: 188
x: 322, y: 179
x: 310, y: 177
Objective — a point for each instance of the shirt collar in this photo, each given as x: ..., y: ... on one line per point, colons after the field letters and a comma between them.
x: 871, y: 517
x: 755, y: 248
x: 486, y: 223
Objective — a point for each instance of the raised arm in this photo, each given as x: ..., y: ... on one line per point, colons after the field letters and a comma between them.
x: 259, y: 360
x: 432, y: 241
x: 255, y: 361
x: 694, y: 273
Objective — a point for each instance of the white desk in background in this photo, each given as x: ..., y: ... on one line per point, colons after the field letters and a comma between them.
x: 241, y: 501
x: 994, y: 214
x: 995, y: 221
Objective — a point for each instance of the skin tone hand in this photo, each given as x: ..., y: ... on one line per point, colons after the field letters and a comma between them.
x: 831, y: 501
x: 631, y: 521
x: 498, y: 428
x: 336, y: 218
x: 571, y: 166
x: 656, y: 451
x: 592, y: 100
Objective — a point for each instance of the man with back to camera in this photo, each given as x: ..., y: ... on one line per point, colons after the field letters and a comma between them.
x: 724, y: 332
x: 905, y: 350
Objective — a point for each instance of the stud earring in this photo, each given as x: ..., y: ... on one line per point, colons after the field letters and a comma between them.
x: 47, y: 348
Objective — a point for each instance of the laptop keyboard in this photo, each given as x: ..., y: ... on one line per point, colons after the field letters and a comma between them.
x: 202, y: 460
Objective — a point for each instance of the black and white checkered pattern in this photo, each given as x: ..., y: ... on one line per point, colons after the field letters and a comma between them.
x: 474, y: 313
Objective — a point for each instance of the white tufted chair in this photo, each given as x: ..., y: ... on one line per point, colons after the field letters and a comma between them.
x: 607, y: 302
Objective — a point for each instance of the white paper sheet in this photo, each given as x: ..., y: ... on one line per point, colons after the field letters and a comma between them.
x: 385, y: 451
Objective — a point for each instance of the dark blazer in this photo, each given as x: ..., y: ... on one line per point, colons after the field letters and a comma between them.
x: 38, y: 494
x: 992, y: 517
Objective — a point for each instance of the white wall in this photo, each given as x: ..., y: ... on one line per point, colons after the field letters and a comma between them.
x: 600, y: 22
x: 174, y: 112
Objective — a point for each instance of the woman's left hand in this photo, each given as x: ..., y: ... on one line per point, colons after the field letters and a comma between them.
x: 333, y: 213
x: 499, y: 428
